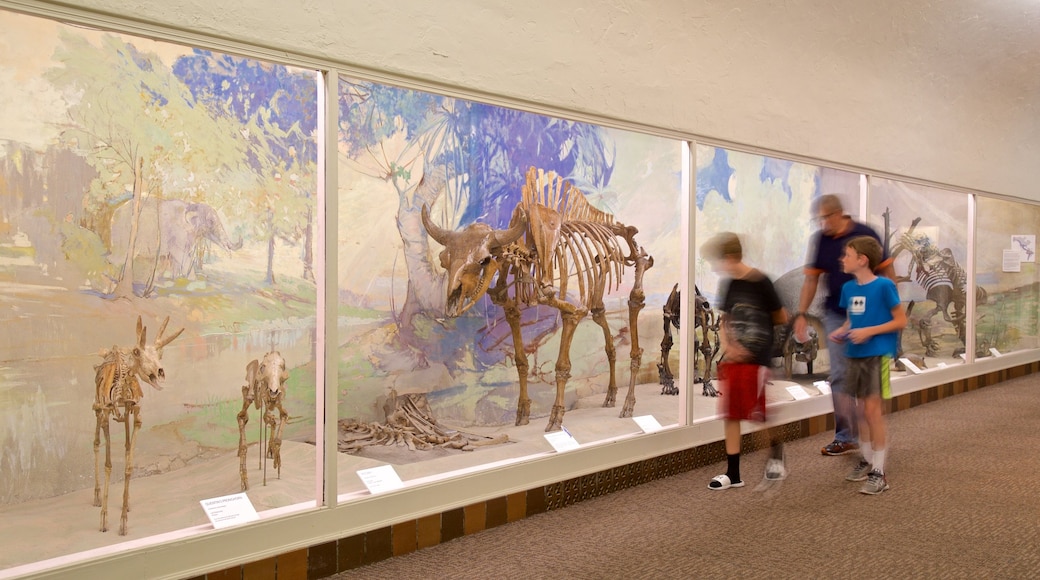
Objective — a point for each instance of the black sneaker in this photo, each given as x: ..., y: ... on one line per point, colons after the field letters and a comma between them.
x: 839, y: 448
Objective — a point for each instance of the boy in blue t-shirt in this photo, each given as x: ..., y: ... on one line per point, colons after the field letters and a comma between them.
x: 875, y: 316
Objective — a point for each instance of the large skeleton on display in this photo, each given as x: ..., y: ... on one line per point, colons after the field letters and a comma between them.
x: 117, y: 396
x: 945, y: 283
x: 554, y: 236
x: 707, y: 346
x: 265, y: 389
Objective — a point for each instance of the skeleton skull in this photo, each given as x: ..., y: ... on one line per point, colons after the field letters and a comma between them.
x: 471, y: 258
x: 149, y: 367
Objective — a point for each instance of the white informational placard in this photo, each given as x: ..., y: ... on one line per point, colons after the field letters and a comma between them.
x: 561, y: 440
x: 229, y: 510
x: 1012, y: 261
x: 823, y: 386
x: 910, y: 366
x: 380, y: 479
x: 994, y: 352
x: 647, y: 423
x: 798, y: 392
x: 941, y: 365
x: 964, y: 356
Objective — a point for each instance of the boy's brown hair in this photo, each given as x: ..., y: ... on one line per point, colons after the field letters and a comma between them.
x: 869, y: 247
x: 724, y: 245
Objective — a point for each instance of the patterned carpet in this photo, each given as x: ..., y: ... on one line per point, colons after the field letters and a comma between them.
x: 964, y: 503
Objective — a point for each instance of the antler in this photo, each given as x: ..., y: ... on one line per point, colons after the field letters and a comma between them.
x: 160, y: 342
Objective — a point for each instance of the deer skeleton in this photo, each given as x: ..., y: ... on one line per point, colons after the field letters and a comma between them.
x: 265, y: 389
x: 564, y: 238
x: 117, y: 396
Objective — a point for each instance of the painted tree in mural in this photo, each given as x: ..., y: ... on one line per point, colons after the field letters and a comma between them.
x: 138, y: 126
x: 466, y: 159
x: 276, y: 108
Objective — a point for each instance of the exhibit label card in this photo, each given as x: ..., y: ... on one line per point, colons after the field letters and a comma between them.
x: 1012, y: 261
x: 561, y: 440
x: 229, y: 510
x: 911, y: 366
x: 994, y: 352
x: 647, y: 423
x: 823, y: 386
x: 798, y: 392
x: 380, y: 479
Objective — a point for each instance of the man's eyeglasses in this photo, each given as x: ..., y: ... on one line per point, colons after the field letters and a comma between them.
x: 827, y: 216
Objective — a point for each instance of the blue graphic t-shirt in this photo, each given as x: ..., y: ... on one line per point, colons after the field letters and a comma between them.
x: 870, y: 304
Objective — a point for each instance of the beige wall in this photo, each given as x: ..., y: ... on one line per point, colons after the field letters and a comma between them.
x: 945, y: 92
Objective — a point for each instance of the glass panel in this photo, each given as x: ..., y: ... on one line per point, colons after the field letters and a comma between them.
x: 767, y: 202
x: 201, y: 168
x: 927, y: 234
x: 428, y: 365
x: 1005, y: 265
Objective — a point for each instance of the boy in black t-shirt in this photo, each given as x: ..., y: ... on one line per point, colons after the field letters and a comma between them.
x: 750, y: 309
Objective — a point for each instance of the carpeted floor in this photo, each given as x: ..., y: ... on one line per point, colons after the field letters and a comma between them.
x: 964, y: 503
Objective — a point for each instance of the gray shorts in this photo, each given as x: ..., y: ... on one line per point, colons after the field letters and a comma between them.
x: 869, y: 376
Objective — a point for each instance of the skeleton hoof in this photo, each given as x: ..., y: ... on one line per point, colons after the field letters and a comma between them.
x: 555, y: 419
x: 523, y: 413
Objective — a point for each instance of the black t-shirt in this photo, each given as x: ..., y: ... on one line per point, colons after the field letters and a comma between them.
x: 749, y: 304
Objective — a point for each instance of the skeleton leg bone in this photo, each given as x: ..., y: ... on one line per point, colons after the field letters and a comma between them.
x: 108, y: 468
x: 571, y: 317
x: 636, y: 303
x: 600, y: 317
x: 523, y: 405
x: 243, y: 419
x: 133, y: 411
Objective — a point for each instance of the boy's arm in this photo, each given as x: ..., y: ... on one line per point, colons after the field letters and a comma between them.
x: 840, y: 333
x: 898, y: 322
x: 732, y: 350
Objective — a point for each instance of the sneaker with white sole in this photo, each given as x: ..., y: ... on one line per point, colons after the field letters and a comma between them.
x: 876, y: 483
x: 860, y: 472
x: 775, y: 470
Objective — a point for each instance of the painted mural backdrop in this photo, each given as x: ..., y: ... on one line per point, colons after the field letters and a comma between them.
x: 927, y: 233
x: 147, y: 179
x: 400, y: 150
x: 768, y: 203
x: 1009, y: 319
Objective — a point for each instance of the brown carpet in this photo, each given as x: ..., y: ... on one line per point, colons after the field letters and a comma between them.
x: 964, y: 503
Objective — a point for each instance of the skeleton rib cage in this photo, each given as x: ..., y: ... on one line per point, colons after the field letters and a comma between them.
x: 583, y: 244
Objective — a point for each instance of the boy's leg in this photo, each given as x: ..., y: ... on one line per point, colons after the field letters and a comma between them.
x: 775, y: 465
x: 875, y: 421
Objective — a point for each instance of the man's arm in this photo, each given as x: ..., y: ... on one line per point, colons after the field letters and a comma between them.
x: 805, y: 298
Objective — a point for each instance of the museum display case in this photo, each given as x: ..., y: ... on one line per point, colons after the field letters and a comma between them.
x: 1007, y: 306
x: 158, y: 257
x: 925, y: 233
x: 171, y: 265
x: 429, y: 362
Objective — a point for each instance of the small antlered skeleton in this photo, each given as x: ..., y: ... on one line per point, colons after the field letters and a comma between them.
x: 117, y: 396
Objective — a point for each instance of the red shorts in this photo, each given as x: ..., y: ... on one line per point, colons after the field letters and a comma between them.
x: 743, y: 389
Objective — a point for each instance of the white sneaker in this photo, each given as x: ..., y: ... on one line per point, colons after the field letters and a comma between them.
x: 775, y: 470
